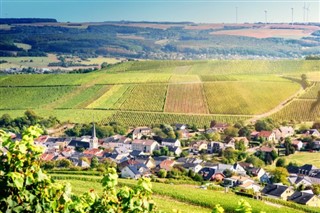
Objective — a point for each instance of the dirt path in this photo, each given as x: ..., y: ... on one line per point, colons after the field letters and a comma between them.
x: 279, y: 107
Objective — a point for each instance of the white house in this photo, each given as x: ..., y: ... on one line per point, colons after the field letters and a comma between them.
x: 146, y: 146
x: 169, y: 142
x: 135, y: 171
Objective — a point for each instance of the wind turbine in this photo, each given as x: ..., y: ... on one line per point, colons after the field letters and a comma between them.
x: 265, y: 15
x: 236, y: 15
x: 291, y: 15
x: 304, y: 12
x: 308, y: 10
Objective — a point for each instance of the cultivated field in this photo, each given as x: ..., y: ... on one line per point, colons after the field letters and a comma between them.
x: 153, y: 92
x: 302, y: 158
x: 189, y: 197
x: 186, y: 98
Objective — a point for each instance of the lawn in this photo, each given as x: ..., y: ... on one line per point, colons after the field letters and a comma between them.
x: 302, y: 158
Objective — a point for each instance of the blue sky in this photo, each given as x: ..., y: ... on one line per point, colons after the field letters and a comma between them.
x: 201, y: 11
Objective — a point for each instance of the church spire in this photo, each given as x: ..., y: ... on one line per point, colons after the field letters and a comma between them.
x: 94, y: 135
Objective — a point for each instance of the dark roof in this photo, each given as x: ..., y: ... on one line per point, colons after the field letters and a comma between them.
x: 308, y: 167
x: 169, y: 140
x: 134, y: 169
x: 293, y: 169
x: 207, y: 173
x: 77, y: 143
x: 135, y: 153
x: 274, y: 190
x: 300, y: 197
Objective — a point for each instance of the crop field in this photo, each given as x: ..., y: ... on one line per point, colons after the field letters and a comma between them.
x: 311, y: 93
x: 84, y: 96
x: 246, y: 98
x: 39, y: 62
x: 27, y: 97
x: 67, y: 115
x: 109, y: 99
x: 266, y: 33
x: 186, y: 98
x: 185, y: 78
x: 187, y: 196
x: 148, y: 118
x: 299, y: 110
x: 153, y: 92
x: 145, y: 98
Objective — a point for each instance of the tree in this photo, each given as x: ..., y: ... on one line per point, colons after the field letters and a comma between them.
x: 304, y: 81
x: 94, y: 162
x: 279, y: 175
x: 316, y: 124
x: 162, y: 173
x: 231, y: 131
x: 316, y: 189
x: 5, y: 120
x: 240, y: 145
x: 65, y: 163
x: 227, y: 173
x: 197, y: 177
x: 244, y: 132
x: 230, y: 155
x: 281, y: 162
x: 26, y: 188
x: 255, y: 161
x: 289, y: 148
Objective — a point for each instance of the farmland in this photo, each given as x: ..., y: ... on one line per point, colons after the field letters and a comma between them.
x: 153, y: 92
x: 302, y: 158
x: 229, y: 98
x: 181, y: 99
x: 190, y: 196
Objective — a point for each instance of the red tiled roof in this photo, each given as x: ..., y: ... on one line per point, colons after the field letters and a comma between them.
x: 265, y: 133
x: 166, y: 164
x: 47, y: 156
x: 266, y: 149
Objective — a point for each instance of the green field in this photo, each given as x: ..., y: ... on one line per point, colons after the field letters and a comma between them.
x: 299, y: 110
x: 302, y: 158
x: 153, y: 92
x: 189, y: 197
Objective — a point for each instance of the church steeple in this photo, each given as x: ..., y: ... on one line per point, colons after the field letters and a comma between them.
x: 94, y: 140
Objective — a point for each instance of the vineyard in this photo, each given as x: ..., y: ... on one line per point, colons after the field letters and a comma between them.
x: 246, y: 98
x: 299, y: 110
x: 153, y: 92
x: 191, y: 195
x: 180, y: 99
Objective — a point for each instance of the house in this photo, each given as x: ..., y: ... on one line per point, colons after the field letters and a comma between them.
x: 254, y: 135
x: 169, y: 142
x: 235, y: 140
x: 135, y: 171
x: 147, y: 146
x: 181, y: 126
x: 256, y: 172
x: 146, y: 160
x: 54, y: 142
x: 47, y: 156
x: 283, y: 132
x: 277, y: 191
x: 195, y: 167
x: 220, y: 127
x: 242, y: 182
x: 116, y: 141
x: 238, y: 169
x: 299, y: 180
x: 128, y: 162
x: 267, y: 135
x: 307, y: 169
x: 93, y: 152
x: 297, y: 144
x: 215, y: 147
x: 305, y: 199
x: 312, y: 132
x: 197, y: 146
x: 138, y: 132
x: 211, y: 174
x: 176, y: 150
x: 167, y: 165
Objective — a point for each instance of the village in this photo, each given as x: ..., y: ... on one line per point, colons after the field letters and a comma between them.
x: 213, y: 156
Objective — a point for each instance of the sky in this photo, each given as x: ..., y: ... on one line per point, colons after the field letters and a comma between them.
x: 199, y: 11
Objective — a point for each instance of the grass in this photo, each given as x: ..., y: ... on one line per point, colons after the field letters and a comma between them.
x: 311, y: 93
x: 186, y: 98
x: 30, y: 61
x: 302, y: 158
x: 246, y: 98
